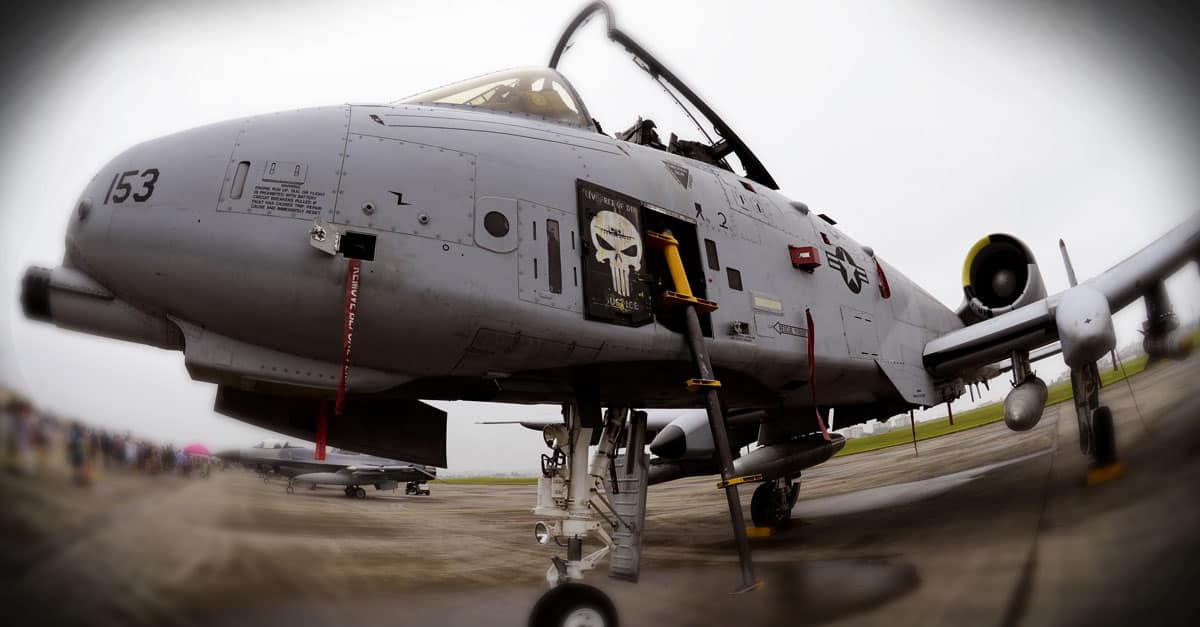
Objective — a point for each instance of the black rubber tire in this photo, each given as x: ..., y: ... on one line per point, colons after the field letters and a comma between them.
x: 765, y: 512
x: 360, y: 493
x: 349, y: 491
x: 558, y: 605
x: 1104, y: 437
x: 290, y: 489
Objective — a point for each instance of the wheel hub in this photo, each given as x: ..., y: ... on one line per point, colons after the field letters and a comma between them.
x: 584, y: 617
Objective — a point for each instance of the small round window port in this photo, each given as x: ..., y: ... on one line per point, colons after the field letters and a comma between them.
x: 496, y: 224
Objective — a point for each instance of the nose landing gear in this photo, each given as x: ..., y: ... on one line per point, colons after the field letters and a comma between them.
x: 574, y: 605
x: 575, y: 505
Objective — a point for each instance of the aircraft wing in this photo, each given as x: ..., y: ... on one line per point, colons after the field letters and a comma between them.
x: 1037, y: 324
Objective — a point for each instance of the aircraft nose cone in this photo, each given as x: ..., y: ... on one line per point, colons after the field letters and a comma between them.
x: 670, y: 443
x: 838, y: 441
x: 148, y: 209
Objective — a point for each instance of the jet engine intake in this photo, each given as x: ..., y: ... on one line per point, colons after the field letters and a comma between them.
x: 999, y: 275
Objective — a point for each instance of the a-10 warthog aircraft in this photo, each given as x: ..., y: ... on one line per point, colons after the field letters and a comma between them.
x: 487, y: 241
x: 306, y: 467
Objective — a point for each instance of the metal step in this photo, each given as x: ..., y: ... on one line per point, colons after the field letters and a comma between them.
x: 629, y: 502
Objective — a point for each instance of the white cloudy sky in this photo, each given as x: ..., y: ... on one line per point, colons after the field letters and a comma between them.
x: 920, y: 127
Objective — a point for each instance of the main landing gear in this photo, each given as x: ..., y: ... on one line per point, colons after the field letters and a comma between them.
x: 355, y: 492
x: 772, y: 503
x: 412, y: 488
x: 1097, y: 437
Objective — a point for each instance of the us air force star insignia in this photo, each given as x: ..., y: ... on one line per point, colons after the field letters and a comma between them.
x: 838, y: 260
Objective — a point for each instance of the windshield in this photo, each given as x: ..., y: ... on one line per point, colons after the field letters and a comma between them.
x: 533, y: 92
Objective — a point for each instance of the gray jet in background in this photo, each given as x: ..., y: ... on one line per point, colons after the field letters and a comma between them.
x: 344, y: 468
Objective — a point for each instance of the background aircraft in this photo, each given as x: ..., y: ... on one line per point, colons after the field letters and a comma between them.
x: 486, y: 241
x: 344, y: 468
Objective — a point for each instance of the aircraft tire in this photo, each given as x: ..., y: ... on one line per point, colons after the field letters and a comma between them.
x: 360, y: 493
x: 290, y: 489
x: 349, y: 491
x: 766, y: 511
x: 573, y: 604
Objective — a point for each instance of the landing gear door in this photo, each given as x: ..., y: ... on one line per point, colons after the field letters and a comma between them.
x: 613, y: 245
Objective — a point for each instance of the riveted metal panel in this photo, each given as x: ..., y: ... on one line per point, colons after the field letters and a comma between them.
x: 406, y: 187
x: 535, y: 262
x: 861, y: 337
x: 287, y: 164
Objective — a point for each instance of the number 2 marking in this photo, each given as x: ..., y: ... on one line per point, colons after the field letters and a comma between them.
x: 124, y: 190
x: 724, y: 220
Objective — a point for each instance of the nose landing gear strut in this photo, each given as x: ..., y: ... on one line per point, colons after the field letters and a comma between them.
x: 572, y: 501
x: 567, y: 486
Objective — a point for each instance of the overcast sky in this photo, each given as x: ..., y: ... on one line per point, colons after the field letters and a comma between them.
x: 920, y: 128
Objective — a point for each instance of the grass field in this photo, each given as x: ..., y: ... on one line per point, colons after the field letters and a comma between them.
x: 488, y: 481
x: 986, y: 414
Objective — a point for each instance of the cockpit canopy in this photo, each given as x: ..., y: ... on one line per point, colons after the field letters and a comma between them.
x: 531, y: 92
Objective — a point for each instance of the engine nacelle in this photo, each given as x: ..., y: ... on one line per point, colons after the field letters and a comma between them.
x: 1024, y: 405
x: 1000, y: 274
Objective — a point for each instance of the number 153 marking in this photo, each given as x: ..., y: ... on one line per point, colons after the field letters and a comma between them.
x: 124, y: 189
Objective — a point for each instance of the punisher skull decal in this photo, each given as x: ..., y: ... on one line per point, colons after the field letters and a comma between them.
x: 617, y: 244
x: 612, y: 257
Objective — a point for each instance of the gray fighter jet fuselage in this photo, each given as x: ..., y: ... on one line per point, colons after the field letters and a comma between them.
x: 225, y: 272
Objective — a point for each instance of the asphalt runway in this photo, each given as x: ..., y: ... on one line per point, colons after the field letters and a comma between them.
x: 984, y: 527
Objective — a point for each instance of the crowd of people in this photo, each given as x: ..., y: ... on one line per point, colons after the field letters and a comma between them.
x: 34, y: 443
